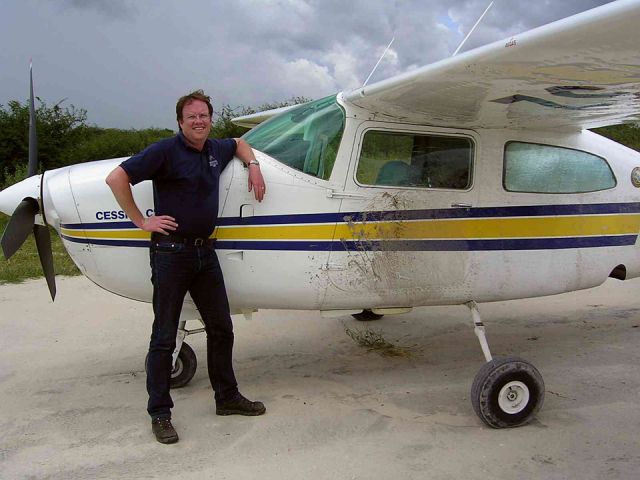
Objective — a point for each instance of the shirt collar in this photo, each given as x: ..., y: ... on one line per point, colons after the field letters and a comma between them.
x: 185, y: 144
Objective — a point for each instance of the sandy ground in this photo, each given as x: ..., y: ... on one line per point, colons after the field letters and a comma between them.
x: 73, y: 396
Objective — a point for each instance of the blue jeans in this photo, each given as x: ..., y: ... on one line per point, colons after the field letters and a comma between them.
x: 175, y: 270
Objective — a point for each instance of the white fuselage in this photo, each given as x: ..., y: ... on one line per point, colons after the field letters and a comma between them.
x: 308, y: 245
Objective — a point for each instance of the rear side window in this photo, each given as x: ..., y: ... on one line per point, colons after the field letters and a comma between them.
x: 398, y: 159
x: 534, y: 168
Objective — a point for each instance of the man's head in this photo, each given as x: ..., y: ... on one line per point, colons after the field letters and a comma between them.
x: 193, y: 112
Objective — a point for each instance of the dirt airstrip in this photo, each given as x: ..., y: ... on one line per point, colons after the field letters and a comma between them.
x: 72, y: 392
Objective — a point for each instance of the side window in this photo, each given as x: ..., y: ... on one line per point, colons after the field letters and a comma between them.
x: 397, y: 159
x: 535, y: 168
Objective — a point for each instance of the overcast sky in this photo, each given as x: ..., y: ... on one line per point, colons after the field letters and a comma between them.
x: 127, y: 61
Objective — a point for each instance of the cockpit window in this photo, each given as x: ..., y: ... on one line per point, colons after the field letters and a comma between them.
x: 305, y: 138
x: 534, y: 168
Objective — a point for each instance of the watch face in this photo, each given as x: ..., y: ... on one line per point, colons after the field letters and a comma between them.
x: 635, y: 177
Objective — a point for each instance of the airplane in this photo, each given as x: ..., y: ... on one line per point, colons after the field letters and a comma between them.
x: 472, y: 179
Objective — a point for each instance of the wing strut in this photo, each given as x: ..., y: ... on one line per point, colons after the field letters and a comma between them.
x: 472, y: 29
x: 378, y: 63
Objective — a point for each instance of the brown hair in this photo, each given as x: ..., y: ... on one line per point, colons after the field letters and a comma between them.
x: 195, y: 95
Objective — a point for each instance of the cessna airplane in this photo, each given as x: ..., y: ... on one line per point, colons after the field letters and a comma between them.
x: 473, y: 179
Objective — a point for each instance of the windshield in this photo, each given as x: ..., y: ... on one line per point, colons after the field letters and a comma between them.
x: 305, y: 138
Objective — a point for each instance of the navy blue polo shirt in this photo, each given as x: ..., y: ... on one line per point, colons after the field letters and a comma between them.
x: 185, y: 180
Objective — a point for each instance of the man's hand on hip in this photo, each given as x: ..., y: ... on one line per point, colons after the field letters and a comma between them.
x: 159, y: 223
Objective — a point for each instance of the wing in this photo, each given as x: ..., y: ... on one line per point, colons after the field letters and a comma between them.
x: 254, y: 119
x: 579, y: 72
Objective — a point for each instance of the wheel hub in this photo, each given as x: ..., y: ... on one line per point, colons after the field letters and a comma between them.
x: 177, y: 370
x: 513, y: 397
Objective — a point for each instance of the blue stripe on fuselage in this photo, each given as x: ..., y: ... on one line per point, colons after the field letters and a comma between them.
x: 397, y: 215
x: 399, y: 245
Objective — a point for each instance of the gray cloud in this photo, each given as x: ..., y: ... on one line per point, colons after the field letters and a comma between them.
x: 509, y: 17
x: 127, y: 61
x: 117, y: 9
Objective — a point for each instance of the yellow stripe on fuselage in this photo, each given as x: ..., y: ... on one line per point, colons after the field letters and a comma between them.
x: 107, y: 234
x: 535, y: 227
x: 468, y: 228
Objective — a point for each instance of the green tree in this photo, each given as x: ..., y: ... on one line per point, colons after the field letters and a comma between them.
x: 223, y: 127
x: 628, y: 134
x: 55, y: 126
x: 94, y: 143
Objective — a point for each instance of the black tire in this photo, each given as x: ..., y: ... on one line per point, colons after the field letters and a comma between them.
x: 366, y: 316
x: 185, y: 368
x: 507, y: 392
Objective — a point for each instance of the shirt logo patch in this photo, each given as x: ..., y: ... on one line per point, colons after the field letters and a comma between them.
x: 212, y: 161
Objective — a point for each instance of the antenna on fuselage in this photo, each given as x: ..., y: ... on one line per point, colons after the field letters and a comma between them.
x: 472, y: 29
x: 379, y: 60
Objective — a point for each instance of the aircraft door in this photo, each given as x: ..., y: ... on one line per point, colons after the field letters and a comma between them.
x: 399, y: 241
x: 279, y: 246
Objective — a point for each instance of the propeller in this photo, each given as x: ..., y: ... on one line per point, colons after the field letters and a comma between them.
x: 20, y: 225
x: 22, y: 220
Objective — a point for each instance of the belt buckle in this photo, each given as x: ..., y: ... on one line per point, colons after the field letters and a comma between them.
x: 198, y: 242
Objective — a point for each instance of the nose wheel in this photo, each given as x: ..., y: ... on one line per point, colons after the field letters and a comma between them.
x: 507, y: 391
x: 184, y: 367
x: 184, y: 358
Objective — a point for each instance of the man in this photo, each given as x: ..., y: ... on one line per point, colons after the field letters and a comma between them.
x: 185, y: 170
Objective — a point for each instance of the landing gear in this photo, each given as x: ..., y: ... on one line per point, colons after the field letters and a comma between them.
x: 184, y: 367
x: 366, y: 316
x: 507, y: 391
x: 185, y: 362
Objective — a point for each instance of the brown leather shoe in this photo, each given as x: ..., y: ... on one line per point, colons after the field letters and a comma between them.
x: 163, y: 430
x: 241, y: 406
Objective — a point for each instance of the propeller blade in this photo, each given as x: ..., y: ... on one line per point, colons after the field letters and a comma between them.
x: 33, y: 139
x: 19, y: 226
x: 43, y: 242
x: 23, y: 219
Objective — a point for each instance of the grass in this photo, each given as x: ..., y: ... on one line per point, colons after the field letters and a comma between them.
x: 374, y: 341
x: 25, y: 264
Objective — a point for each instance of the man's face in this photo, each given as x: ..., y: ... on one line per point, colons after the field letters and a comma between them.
x: 196, y: 122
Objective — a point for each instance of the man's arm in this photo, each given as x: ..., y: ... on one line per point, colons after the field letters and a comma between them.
x: 245, y: 153
x: 119, y: 182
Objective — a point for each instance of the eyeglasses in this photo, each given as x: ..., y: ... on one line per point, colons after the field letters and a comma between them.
x: 200, y: 116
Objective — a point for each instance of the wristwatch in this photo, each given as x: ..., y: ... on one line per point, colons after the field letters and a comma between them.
x: 254, y: 162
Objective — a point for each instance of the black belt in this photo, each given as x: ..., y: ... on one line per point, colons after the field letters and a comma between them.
x: 195, y: 241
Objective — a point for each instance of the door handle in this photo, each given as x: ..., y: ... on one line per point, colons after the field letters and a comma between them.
x: 334, y: 194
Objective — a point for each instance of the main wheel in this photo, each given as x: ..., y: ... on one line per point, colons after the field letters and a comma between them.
x: 507, y: 392
x: 185, y: 368
x: 366, y: 316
